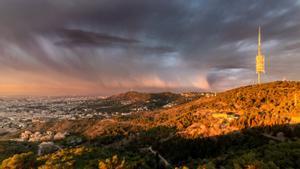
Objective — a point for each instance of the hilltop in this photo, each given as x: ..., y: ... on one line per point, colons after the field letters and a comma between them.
x: 152, y: 101
x: 263, y: 97
x: 248, y: 106
x: 137, y: 101
x: 135, y: 96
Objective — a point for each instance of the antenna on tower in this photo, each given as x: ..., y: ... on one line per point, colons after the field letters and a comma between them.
x: 260, y: 59
x: 259, y: 42
x: 269, y: 66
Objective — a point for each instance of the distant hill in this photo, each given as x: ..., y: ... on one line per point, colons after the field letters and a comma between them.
x: 137, y: 101
x: 165, y: 97
x: 131, y: 95
x: 134, y: 96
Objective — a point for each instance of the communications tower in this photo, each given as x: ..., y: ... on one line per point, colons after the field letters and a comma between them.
x: 260, y: 59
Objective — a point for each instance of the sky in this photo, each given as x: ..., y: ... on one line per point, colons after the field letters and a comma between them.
x: 103, y: 47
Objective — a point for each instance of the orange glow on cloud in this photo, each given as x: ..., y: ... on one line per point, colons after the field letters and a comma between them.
x: 20, y: 83
x: 201, y: 82
x: 42, y: 89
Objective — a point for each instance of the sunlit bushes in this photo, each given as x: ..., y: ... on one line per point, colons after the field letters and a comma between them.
x: 9, y: 148
x: 65, y: 158
x: 112, y: 163
x: 19, y: 161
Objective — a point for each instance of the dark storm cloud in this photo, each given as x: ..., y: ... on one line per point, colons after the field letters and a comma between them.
x: 117, y: 43
x: 73, y: 37
x: 79, y: 38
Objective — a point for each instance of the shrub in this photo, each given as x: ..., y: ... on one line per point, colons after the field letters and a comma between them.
x: 19, y: 161
x: 112, y: 163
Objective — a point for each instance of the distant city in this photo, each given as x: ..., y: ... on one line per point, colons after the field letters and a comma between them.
x: 18, y: 113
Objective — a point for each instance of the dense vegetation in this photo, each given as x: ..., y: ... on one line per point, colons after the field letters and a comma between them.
x: 9, y: 148
x: 247, y: 148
